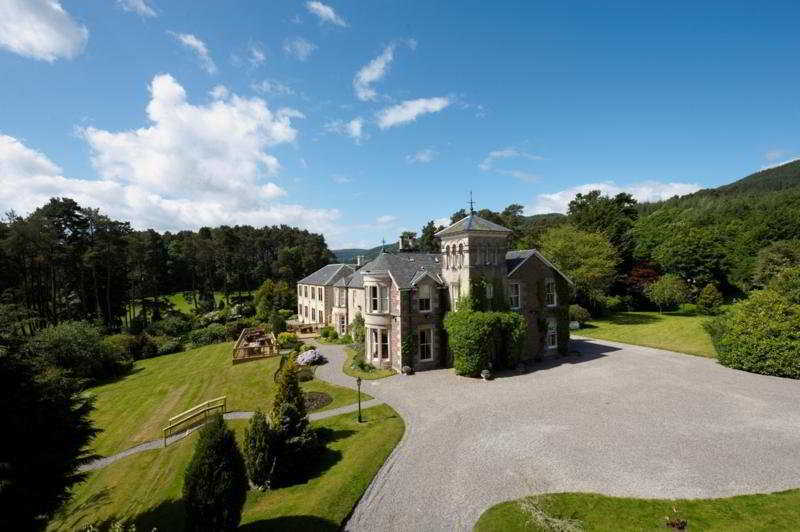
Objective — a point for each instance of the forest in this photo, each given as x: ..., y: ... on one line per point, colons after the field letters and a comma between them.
x: 67, y: 262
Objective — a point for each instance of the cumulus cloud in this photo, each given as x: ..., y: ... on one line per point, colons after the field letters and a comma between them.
x: 422, y: 156
x: 199, y: 48
x: 354, y: 128
x: 409, y: 110
x: 140, y: 7
x: 30, y: 178
x: 40, y: 29
x: 298, y: 48
x: 256, y: 54
x: 642, y: 191
x: 325, y: 13
x: 194, y: 165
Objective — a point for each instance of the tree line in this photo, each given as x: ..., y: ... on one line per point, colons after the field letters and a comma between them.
x: 66, y: 262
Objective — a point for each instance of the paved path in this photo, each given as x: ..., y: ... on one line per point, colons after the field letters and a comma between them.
x: 618, y: 419
x: 324, y: 372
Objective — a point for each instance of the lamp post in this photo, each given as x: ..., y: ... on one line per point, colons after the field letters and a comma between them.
x: 358, y: 384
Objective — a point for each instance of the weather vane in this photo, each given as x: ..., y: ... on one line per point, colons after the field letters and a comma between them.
x: 471, y: 204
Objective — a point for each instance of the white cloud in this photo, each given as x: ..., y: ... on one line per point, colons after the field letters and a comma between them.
x: 780, y: 163
x: 298, y: 48
x: 210, y: 162
x: 354, y: 128
x: 140, y: 7
x: 40, y: 29
x: 422, y: 156
x: 325, y: 13
x: 488, y: 163
x: 372, y: 72
x: 642, y: 191
x: 444, y: 222
x: 199, y: 48
x: 385, y: 219
x: 256, y: 54
x: 409, y: 110
x: 341, y: 179
x: 272, y: 87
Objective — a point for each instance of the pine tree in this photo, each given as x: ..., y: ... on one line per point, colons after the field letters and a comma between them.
x: 259, y: 450
x: 215, y: 482
x: 288, y: 391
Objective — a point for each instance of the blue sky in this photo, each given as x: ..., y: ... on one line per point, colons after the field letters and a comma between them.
x: 363, y: 119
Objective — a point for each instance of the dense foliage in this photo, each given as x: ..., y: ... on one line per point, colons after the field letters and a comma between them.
x: 669, y: 291
x: 66, y: 262
x: 484, y: 340
x: 256, y: 447
x: 46, y: 434
x: 709, y: 300
x: 215, y: 483
x: 79, y: 348
x: 760, y: 334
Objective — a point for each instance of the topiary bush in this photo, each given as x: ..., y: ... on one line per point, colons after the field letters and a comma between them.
x: 760, y: 334
x: 215, y: 483
x: 709, y: 300
x: 484, y: 340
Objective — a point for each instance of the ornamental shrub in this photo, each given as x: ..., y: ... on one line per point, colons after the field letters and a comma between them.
x: 258, y: 450
x: 277, y: 322
x: 357, y: 330
x: 287, y: 340
x: 579, y: 314
x: 760, y: 334
x: 287, y: 391
x: 212, y: 334
x: 215, y: 483
x: 787, y: 283
x: 709, y: 300
x: 326, y: 331
x: 484, y: 340
x: 669, y: 291
x: 173, y: 325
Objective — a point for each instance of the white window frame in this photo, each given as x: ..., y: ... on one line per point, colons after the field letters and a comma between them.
x: 422, y: 290
x: 517, y: 296
x: 305, y: 291
x: 489, y: 291
x: 373, y: 298
x: 374, y: 343
x: 421, y: 334
x: 551, y: 334
x: 384, y: 335
x: 550, y: 292
x: 313, y: 315
x: 455, y: 294
x: 342, y: 324
x: 384, y: 293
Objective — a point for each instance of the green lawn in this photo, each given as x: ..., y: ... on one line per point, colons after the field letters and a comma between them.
x: 186, y: 306
x: 135, y: 409
x: 774, y: 511
x: 146, y: 488
x: 347, y: 369
x: 673, y: 331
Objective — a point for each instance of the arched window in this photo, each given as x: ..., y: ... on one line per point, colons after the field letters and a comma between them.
x: 480, y: 255
x: 447, y: 256
x: 461, y: 256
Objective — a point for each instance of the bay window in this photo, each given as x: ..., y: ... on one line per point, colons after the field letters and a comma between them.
x: 378, y: 299
x: 378, y: 343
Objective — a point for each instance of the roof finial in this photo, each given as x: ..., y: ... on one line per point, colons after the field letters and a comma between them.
x: 383, y: 245
x: 471, y: 204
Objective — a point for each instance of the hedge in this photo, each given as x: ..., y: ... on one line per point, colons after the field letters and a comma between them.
x: 483, y: 340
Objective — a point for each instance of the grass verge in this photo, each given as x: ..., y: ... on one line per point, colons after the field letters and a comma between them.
x: 135, y: 409
x: 145, y: 489
x: 772, y: 511
x: 673, y: 331
x: 376, y: 373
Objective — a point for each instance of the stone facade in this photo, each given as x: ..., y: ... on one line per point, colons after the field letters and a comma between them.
x: 403, y: 297
x: 315, y: 294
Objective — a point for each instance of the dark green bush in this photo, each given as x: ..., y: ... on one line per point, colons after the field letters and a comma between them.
x: 166, y: 345
x: 579, y: 314
x: 288, y: 340
x: 234, y: 328
x: 484, y: 340
x: 215, y: 483
x: 277, y: 322
x: 326, y: 331
x: 709, y: 300
x: 760, y: 334
x: 211, y: 334
x: 258, y: 440
x: 79, y: 348
x: 173, y: 325
x: 787, y: 283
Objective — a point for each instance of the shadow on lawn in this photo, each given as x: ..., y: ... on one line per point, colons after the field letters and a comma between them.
x: 629, y: 318
x: 580, y: 351
x: 292, y: 522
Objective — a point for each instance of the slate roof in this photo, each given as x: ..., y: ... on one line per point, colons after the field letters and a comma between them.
x: 326, y: 275
x: 404, y: 267
x: 354, y: 280
x: 515, y: 259
x: 473, y: 222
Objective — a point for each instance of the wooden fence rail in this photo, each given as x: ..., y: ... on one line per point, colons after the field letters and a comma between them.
x: 197, y: 415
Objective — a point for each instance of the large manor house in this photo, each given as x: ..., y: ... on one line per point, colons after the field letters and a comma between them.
x: 409, y: 291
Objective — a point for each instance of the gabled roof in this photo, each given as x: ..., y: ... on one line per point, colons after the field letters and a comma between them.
x: 404, y: 267
x: 515, y: 259
x: 327, y: 275
x: 354, y: 280
x: 473, y: 222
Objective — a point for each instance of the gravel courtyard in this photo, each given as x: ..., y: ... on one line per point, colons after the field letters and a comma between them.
x: 618, y: 419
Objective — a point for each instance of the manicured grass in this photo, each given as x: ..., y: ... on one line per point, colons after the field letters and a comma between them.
x: 347, y: 369
x: 673, y: 331
x: 135, y: 409
x: 146, y: 488
x: 773, y: 511
x: 186, y: 306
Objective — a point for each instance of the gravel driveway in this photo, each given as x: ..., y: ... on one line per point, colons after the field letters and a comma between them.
x: 618, y: 419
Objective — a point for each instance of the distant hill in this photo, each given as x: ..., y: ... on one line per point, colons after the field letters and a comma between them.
x: 348, y: 256
x: 776, y: 178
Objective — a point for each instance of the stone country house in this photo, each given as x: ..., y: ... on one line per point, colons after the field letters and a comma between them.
x: 410, y: 292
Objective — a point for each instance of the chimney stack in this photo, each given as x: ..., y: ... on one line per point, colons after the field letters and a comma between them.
x: 359, y: 260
